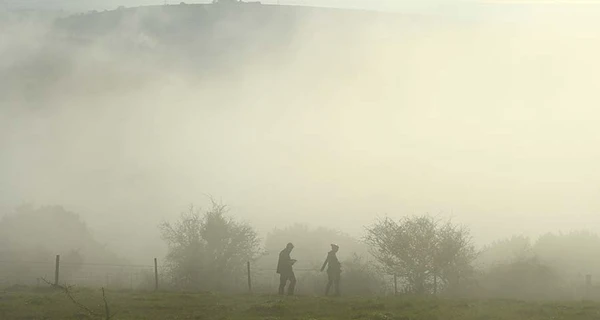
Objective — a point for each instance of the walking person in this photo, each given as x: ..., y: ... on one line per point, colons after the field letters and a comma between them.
x: 286, y: 271
x: 334, y: 270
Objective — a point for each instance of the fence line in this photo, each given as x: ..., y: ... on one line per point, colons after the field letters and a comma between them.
x: 27, y: 272
x: 80, y: 264
x: 147, y: 277
x: 89, y: 274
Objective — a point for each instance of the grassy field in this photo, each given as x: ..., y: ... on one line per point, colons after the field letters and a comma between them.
x: 51, y: 304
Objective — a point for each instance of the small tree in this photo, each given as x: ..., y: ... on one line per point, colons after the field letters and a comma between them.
x: 427, y: 254
x: 208, y: 250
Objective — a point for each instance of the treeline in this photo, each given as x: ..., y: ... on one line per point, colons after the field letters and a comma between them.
x: 427, y: 255
x: 208, y: 251
x: 31, y: 237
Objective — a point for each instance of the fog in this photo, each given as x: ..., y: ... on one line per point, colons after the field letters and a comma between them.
x: 326, y: 118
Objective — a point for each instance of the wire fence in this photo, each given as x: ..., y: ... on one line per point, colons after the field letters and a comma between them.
x: 113, y: 276
x: 117, y: 276
x: 255, y: 279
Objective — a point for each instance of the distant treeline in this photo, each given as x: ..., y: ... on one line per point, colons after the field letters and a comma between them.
x: 209, y: 250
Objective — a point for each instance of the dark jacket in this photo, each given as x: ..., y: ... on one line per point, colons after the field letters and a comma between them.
x: 332, y: 263
x: 284, y: 265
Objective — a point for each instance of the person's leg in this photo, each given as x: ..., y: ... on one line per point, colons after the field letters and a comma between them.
x: 336, y: 281
x: 292, y: 286
x: 282, y: 283
x: 329, y: 283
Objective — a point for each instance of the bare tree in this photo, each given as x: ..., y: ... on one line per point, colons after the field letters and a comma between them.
x: 424, y: 252
x: 207, y: 250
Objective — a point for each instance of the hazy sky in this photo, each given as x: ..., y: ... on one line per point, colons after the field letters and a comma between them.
x: 463, y: 8
x: 493, y: 123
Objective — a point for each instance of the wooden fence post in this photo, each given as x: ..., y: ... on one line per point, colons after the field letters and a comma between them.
x: 395, y: 284
x: 249, y: 278
x: 155, y: 274
x: 57, y: 270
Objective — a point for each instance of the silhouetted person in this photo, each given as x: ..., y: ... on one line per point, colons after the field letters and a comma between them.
x: 285, y: 270
x: 334, y: 270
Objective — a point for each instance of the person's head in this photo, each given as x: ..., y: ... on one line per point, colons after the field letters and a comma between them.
x: 334, y: 247
x: 289, y: 246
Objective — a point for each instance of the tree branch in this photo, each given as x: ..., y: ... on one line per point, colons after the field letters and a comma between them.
x: 67, y: 290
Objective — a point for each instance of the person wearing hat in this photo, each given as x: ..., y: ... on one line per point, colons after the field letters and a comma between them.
x: 334, y: 270
x: 285, y: 270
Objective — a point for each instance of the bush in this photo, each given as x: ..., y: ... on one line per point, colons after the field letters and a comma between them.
x: 208, y: 251
x: 360, y: 277
x: 522, y: 279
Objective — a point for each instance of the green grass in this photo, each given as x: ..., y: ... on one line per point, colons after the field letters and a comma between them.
x: 51, y: 304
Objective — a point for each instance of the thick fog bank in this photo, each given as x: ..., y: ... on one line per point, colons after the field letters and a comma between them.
x: 291, y: 115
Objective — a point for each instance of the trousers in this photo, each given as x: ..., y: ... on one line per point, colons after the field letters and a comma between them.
x: 283, y: 280
x: 333, y: 280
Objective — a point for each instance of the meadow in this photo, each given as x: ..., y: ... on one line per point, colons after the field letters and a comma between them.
x: 24, y: 303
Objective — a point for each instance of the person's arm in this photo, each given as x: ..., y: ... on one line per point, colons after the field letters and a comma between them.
x: 325, y: 263
x: 289, y: 261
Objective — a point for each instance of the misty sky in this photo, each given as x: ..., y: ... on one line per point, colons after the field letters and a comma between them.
x: 458, y: 8
x: 493, y: 123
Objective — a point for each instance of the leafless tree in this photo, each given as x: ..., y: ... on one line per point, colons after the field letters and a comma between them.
x: 426, y: 253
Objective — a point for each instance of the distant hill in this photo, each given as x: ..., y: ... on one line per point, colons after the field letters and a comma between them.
x: 249, y: 22
x: 187, y: 17
x: 196, y: 38
x: 206, y: 32
x: 86, y: 5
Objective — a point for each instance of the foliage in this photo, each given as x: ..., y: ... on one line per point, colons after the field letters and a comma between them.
x: 55, y: 228
x: 516, y: 267
x: 515, y: 248
x: 361, y: 277
x: 526, y: 278
x: 577, y: 252
x: 208, y: 250
x: 422, y: 251
x: 57, y: 231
